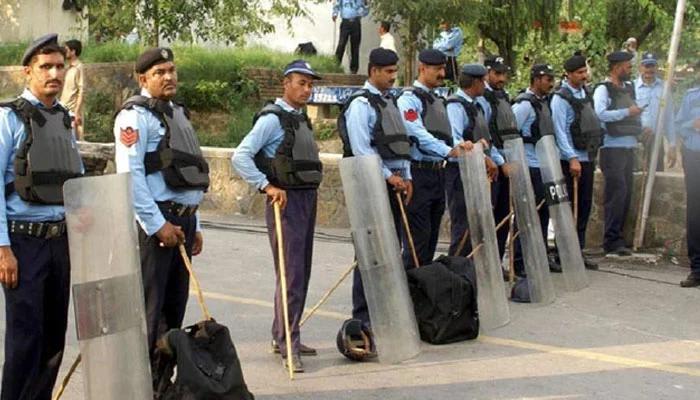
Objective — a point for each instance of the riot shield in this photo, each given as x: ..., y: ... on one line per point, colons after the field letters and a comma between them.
x: 528, y: 222
x: 491, y: 293
x: 379, y: 259
x: 568, y: 246
x: 107, y: 291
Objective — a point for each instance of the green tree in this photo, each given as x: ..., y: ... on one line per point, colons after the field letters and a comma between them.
x: 188, y: 20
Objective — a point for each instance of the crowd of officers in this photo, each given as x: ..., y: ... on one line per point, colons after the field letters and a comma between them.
x: 418, y: 135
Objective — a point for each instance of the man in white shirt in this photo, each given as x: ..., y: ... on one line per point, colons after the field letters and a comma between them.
x: 385, y: 36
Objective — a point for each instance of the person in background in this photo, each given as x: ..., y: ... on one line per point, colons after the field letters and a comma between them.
x: 385, y: 36
x: 351, y: 12
x: 450, y: 44
x: 73, y: 95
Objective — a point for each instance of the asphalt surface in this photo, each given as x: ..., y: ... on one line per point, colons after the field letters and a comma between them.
x: 632, y: 334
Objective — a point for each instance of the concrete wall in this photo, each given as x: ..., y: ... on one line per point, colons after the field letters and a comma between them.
x: 25, y: 20
x: 228, y: 194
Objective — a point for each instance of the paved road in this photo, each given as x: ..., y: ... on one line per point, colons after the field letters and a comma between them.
x: 633, y: 334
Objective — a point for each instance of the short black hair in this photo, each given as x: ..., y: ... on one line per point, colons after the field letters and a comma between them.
x: 48, y: 49
x: 386, y: 25
x: 75, y: 45
x: 467, y: 81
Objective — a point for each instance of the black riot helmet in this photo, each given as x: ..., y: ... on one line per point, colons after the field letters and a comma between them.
x: 355, y: 341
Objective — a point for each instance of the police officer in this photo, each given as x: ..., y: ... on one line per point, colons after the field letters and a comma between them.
x: 619, y: 114
x: 155, y: 142
x: 649, y: 89
x: 425, y: 118
x: 38, y: 153
x: 578, y: 134
x: 450, y: 42
x: 502, y: 126
x: 534, y: 119
x: 282, y: 140
x: 371, y: 124
x: 688, y: 127
x: 351, y: 13
x: 469, y: 125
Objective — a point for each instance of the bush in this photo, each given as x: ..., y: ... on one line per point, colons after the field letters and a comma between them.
x: 99, y: 121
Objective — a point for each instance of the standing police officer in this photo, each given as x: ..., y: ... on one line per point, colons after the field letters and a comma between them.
x: 469, y: 125
x: 578, y: 134
x: 155, y: 142
x: 351, y: 13
x: 502, y: 126
x: 425, y: 118
x: 280, y: 158
x: 38, y: 153
x: 371, y: 123
x: 534, y: 119
x: 615, y: 105
x: 688, y: 127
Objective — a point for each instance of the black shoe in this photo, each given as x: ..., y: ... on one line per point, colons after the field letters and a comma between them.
x: 621, y: 251
x: 589, y: 264
x: 297, y: 365
x: 691, y: 281
x: 554, y: 266
x: 303, y: 349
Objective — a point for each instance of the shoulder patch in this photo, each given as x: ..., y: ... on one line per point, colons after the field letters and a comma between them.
x: 410, y: 115
x: 128, y: 136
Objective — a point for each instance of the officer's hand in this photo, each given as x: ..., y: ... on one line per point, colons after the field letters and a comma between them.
x: 575, y: 167
x: 78, y: 121
x: 276, y: 195
x: 484, y: 143
x: 198, y: 243
x: 396, y: 182
x: 507, y: 169
x: 335, y: 17
x: 456, y: 151
x: 634, y: 111
x: 409, y: 191
x: 672, y: 156
x: 491, y: 169
x: 170, y: 235
x: 9, y: 275
x: 467, y: 145
x: 696, y: 124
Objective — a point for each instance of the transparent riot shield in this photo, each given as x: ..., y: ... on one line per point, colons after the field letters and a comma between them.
x: 528, y: 222
x: 491, y: 291
x: 107, y: 291
x: 559, y: 204
x: 379, y: 259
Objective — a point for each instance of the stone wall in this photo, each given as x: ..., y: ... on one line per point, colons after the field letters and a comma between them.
x: 228, y: 194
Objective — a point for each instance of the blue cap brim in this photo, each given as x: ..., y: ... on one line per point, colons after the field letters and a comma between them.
x: 304, y: 71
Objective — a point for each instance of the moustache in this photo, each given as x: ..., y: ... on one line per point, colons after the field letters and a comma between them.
x: 56, y: 81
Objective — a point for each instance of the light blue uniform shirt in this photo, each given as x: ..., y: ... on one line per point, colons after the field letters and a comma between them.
x: 360, y: 119
x: 450, y: 42
x: 266, y: 136
x: 687, y: 114
x: 524, y: 117
x: 12, y: 134
x: 431, y: 148
x: 601, y: 101
x: 459, y: 120
x: 147, y: 189
x: 563, y: 116
x: 348, y: 9
x: 496, y: 155
x: 649, y: 95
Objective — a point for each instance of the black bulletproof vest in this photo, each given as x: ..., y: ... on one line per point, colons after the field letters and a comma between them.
x: 620, y: 98
x: 389, y: 134
x: 543, y: 124
x: 586, y: 133
x: 434, y: 114
x: 47, y: 157
x: 478, y: 127
x: 296, y: 164
x: 502, y: 123
x: 178, y: 155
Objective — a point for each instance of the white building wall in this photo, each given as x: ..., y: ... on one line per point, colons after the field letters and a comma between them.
x: 25, y: 20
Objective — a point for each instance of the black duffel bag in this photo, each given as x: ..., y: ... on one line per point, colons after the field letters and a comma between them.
x: 444, y: 298
x: 207, y: 364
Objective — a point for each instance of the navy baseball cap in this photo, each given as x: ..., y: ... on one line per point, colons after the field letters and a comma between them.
x: 496, y: 63
x: 301, y: 67
x: 649, y: 59
x: 36, y: 45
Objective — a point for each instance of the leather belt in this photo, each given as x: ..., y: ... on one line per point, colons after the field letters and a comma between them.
x: 45, y: 230
x: 177, y: 209
x: 428, y: 164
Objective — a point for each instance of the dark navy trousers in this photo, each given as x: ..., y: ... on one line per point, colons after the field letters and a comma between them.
x: 691, y: 166
x: 617, y: 165
x: 359, y: 302
x: 500, y: 200
x: 165, y: 279
x: 585, y: 195
x: 298, y: 226
x: 36, y: 313
x: 425, y: 214
x: 459, y: 224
